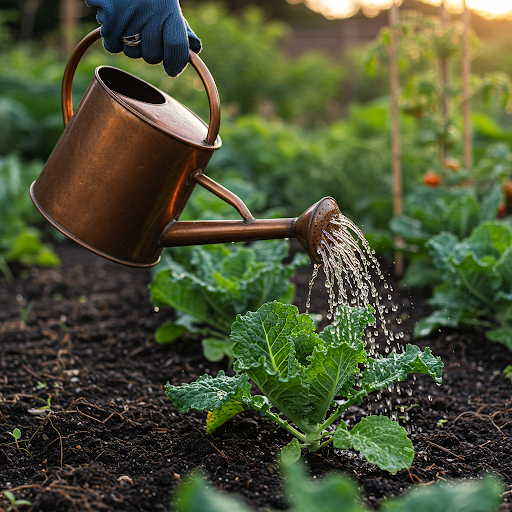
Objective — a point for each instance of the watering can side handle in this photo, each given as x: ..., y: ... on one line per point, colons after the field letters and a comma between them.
x: 69, y: 73
x: 195, y: 60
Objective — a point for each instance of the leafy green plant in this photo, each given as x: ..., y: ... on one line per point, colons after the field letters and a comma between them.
x: 476, y: 287
x: 432, y: 210
x: 336, y: 491
x: 209, y: 285
x: 19, y: 240
x: 14, y: 503
x: 300, y: 373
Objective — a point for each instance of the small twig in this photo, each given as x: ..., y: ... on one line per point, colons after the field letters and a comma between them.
x: 67, y: 437
x: 411, y: 475
x: 483, y: 417
x: 136, y: 351
x: 445, y: 449
x: 222, y: 454
x: 28, y: 486
x: 38, y: 377
x: 60, y: 437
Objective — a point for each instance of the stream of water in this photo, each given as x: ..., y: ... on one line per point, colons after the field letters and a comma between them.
x: 348, y: 263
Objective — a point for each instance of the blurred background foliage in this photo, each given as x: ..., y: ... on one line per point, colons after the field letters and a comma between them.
x: 293, y: 130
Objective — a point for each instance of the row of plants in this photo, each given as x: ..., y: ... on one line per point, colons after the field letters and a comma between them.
x: 456, y: 234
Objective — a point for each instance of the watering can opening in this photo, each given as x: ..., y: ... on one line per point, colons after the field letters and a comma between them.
x: 125, y: 84
x: 127, y: 163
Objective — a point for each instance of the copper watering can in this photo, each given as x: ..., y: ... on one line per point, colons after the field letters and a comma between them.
x: 127, y: 162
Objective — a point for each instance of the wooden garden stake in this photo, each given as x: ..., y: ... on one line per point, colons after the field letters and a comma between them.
x: 444, y: 84
x: 466, y: 106
x: 395, y: 133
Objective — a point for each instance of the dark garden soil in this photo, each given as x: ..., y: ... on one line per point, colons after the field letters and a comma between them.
x: 112, y: 440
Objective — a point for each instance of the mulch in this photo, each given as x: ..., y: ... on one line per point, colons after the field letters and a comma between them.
x: 111, y: 440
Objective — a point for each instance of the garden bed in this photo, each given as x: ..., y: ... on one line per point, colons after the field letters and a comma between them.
x: 113, y: 441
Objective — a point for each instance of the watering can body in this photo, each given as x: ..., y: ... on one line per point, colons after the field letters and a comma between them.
x: 128, y: 161
x: 120, y: 171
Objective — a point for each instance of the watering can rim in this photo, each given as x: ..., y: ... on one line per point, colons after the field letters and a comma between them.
x: 118, y: 98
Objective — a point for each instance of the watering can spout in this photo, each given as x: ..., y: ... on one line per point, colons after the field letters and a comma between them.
x: 307, y: 229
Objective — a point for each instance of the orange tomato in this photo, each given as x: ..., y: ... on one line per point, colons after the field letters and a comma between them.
x: 452, y: 164
x: 507, y: 189
x: 431, y: 179
x: 502, y: 211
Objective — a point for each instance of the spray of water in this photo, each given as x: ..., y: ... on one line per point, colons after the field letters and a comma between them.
x: 348, y: 263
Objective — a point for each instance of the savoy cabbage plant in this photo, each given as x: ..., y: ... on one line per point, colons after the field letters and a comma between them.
x: 476, y: 287
x: 432, y: 210
x: 300, y: 373
x: 209, y: 285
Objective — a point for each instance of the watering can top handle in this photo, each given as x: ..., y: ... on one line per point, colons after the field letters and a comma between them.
x: 195, y: 60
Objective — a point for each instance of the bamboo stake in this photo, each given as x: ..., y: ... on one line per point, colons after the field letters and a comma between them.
x: 395, y: 133
x: 444, y: 84
x: 70, y: 13
x: 466, y: 105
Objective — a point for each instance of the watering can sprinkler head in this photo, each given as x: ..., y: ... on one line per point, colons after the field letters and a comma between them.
x: 309, y: 228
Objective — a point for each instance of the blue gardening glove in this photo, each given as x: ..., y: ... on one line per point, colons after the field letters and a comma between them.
x: 165, y: 34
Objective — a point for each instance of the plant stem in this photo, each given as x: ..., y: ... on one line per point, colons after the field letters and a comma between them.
x: 286, y: 426
x: 342, y: 408
x: 325, y: 443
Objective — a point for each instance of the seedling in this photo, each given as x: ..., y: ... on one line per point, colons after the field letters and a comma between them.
x: 14, y: 503
x: 16, y: 433
x: 507, y: 373
x: 48, y: 403
x: 24, y: 310
x: 440, y: 423
x: 300, y: 373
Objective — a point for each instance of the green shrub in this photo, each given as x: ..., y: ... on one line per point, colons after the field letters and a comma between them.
x: 19, y: 239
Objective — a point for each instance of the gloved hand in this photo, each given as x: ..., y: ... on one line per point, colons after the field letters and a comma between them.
x: 165, y: 34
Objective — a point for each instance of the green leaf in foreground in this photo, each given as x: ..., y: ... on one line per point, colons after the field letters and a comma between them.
x: 301, y: 373
x: 336, y: 492
x: 476, y: 496
x: 193, y: 496
x: 382, y: 441
x: 290, y: 453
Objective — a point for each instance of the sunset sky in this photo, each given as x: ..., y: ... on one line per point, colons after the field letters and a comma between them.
x: 346, y: 8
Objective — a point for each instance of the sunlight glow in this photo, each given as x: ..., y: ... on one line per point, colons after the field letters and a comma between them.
x: 345, y: 8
